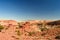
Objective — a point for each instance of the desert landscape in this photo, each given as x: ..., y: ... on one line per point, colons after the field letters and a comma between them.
x: 29, y: 19
x: 30, y: 30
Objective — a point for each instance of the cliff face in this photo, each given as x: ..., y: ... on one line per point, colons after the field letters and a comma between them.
x: 29, y: 30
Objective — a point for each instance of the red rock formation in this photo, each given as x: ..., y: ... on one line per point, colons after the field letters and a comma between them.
x: 29, y: 31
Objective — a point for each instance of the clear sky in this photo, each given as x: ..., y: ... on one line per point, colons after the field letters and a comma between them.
x: 30, y: 9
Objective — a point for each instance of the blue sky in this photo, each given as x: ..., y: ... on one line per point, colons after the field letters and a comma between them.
x: 30, y: 9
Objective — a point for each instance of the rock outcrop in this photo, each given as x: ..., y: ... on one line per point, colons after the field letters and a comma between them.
x: 29, y: 30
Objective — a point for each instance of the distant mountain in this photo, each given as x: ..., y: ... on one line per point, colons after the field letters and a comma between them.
x: 57, y: 22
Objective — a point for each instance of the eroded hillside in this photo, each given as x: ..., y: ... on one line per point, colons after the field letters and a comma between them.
x: 29, y: 30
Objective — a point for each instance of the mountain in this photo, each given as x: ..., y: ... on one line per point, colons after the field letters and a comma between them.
x: 57, y: 22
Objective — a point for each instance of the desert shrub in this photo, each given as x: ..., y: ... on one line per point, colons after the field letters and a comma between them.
x: 18, y: 32
x: 31, y: 33
x: 39, y: 24
x: 43, y: 29
x: 57, y: 37
x: 1, y: 27
x: 15, y: 37
x: 19, y: 25
x: 43, y: 34
x: 58, y: 27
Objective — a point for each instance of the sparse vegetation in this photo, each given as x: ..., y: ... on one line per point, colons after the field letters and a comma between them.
x: 18, y: 32
x: 20, y: 26
x: 58, y: 27
x: 57, y: 37
x: 6, y: 28
x: 17, y: 27
x: 43, y: 29
x: 39, y: 24
x: 39, y: 31
x: 31, y: 33
x: 43, y: 34
x: 1, y: 27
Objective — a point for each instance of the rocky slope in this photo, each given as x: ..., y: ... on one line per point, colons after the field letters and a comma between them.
x: 29, y: 30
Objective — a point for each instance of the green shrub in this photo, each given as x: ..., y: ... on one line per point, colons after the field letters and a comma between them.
x: 1, y: 27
